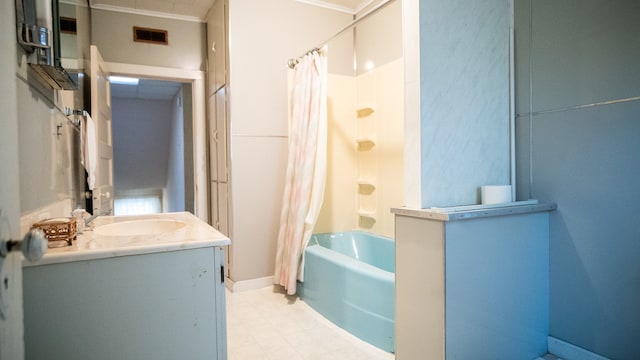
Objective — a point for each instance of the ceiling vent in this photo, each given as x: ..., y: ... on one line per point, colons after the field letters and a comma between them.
x: 153, y: 36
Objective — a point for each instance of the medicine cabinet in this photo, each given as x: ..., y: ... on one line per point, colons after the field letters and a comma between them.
x: 38, y: 33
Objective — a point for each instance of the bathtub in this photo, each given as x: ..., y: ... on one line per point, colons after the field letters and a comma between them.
x: 349, y: 278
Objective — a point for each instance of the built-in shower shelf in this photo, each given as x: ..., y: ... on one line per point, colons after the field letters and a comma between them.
x: 365, y: 111
x: 370, y: 214
x: 366, y: 186
x: 366, y: 143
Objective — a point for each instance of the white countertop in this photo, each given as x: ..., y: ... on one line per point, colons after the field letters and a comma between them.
x: 475, y: 211
x: 191, y: 233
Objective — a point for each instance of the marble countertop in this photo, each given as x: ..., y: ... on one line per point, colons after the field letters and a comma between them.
x: 475, y: 211
x: 113, y: 236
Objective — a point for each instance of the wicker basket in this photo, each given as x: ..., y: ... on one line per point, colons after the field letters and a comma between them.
x: 59, y: 231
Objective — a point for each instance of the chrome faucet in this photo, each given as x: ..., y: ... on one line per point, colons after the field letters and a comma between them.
x: 93, y: 217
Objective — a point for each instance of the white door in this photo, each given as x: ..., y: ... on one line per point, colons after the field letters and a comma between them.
x: 11, y: 325
x: 101, y: 115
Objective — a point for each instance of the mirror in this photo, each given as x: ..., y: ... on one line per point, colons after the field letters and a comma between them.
x: 75, y: 29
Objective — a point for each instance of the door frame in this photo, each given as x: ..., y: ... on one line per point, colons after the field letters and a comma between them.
x: 197, y: 80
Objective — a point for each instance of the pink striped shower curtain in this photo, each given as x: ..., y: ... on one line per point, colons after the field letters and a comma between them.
x: 306, y: 167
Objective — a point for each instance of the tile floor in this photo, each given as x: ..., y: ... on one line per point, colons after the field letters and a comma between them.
x: 267, y: 324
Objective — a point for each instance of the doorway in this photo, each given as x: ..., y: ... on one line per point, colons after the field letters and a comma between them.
x: 152, y: 146
x: 195, y: 80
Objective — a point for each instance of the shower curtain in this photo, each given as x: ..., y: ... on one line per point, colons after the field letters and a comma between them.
x: 306, y: 167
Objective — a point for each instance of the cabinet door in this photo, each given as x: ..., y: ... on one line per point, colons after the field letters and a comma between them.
x: 221, y: 308
x: 213, y: 138
x: 218, y: 47
x: 223, y: 208
x: 215, y: 214
x: 211, y: 55
x: 222, y: 135
x: 171, y: 296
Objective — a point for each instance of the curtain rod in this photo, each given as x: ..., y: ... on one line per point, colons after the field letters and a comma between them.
x: 293, y: 62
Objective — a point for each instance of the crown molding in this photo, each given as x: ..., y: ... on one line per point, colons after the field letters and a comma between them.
x: 330, y: 6
x: 147, y: 13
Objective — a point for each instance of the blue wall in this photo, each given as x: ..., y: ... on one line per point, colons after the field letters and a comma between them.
x: 464, y: 84
x: 586, y: 159
x: 497, y: 285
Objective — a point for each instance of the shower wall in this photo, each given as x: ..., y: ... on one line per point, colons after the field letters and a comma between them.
x: 365, y: 127
x: 338, y: 211
x: 380, y: 138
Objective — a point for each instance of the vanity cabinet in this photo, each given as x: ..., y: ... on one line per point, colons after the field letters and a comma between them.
x: 167, y: 305
x: 163, y: 301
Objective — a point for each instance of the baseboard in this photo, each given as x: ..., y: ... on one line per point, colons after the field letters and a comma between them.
x: 566, y: 351
x: 246, y: 285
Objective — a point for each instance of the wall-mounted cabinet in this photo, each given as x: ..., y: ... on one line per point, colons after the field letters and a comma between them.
x: 218, y: 152
x: 38, y: 33
x: 220, y: 206
x: 218, y: 136
x: 217, y: 44
x: 218, y: 119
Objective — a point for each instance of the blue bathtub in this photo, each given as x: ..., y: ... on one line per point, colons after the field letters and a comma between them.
x: 349, y: 278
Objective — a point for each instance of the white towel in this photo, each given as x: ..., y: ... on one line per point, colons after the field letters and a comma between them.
x: 89, y: 146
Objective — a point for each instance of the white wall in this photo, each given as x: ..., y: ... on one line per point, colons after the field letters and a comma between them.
x: 141, y: 132
x: 112, y: 32
x: 46, y: 158
x: 263, y: 36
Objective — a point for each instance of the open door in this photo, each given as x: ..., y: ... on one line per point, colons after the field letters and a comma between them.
x: 101, y: 115
x: 11, y: 311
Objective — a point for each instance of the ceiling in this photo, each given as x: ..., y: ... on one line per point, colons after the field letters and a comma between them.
x: 196, y: 10
x: 147, y: 90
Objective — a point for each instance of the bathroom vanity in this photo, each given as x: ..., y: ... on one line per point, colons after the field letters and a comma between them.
x: 143, y: 287
x: 472, y: 283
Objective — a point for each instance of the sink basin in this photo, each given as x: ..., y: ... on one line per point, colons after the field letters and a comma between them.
x: 139, y: 227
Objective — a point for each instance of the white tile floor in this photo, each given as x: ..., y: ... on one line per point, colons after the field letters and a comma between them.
x: 267, y: 324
